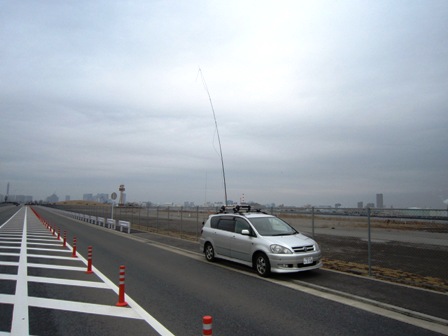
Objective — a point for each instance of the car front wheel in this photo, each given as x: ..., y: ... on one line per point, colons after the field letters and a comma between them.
x: 262, y: 265
x: 209, y: 252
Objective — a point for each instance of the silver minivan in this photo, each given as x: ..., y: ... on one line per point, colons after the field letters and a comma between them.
x: 262, y: 241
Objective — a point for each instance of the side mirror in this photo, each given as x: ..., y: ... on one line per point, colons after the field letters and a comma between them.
x: 245, y: 232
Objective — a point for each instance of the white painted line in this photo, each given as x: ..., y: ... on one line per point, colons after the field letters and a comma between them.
x: 8, y: 299
x: 50, y: 257
x: 156, y: 325
x: 8, y: 277
x: 49, y: 236
x: 10, y: 247
x: 9, y: 263
x: 44, y: 244
x: 58, y: 267
x: 20, y: 319
x: 9, y: 254
x: 68, y: 282
x: 82, y: 307
x: 45, y: 249
x: 132, y: 311
x: 36, y: 241
x: 340, y: 297
x: 10, y: 242
x: 16, y: 238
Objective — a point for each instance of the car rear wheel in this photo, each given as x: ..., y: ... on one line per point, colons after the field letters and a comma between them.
x: 209, y: 252
x: 262, y: 265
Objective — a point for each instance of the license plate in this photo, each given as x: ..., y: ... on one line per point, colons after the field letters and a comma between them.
x: 307, y: 260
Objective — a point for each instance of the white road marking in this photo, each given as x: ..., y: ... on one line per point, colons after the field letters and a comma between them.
x: 21, y: 301
x: 45, y: 244
x: 83, y: 307
x: 8, y: 277
x: 68, y: 282
x: 58, y: 267
x: 9, y: 254
x: 44, y: 256
x: 20, y: 320
x: 46, y: 249
x: 372, y: 306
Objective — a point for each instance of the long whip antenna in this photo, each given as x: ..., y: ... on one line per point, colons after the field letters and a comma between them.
x: 219, y: 139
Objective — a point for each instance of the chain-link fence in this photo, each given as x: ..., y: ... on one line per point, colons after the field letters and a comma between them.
x: 405, y: 245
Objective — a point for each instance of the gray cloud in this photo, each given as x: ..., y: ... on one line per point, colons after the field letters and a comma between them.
x: 316, y: 103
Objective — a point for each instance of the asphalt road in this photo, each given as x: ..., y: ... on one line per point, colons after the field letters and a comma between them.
x: 175, y: 285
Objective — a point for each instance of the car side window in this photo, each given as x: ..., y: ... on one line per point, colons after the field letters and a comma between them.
x: 240, y: 225
x: 214, y: 222
x: 226, y: 224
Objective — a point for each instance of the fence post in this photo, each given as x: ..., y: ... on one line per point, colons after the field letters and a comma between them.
x: 312, y: 220
x: 369, y: 252
x: 197, y: 221
x: 157, y: 219
x: 139, y: 214
x: 181, y: 219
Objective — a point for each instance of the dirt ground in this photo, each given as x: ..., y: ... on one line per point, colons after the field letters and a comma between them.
x: 417, y: 265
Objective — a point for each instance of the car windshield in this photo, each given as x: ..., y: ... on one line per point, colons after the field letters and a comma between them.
x: 272, y: 226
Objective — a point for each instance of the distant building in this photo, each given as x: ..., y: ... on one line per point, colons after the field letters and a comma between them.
x: 67, y: 198
x: 87, y: 197
x: 52, y: 199
x: 379, y: 201
x: 102, y: 198
x: 20, y: 198
x: 360, y: 205
x: 23, y: 199
x: 370, y: 205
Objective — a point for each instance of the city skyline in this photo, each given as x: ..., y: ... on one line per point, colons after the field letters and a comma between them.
x: 106, y: 198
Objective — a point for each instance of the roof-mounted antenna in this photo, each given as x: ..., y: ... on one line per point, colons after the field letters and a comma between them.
x: 219, y: 140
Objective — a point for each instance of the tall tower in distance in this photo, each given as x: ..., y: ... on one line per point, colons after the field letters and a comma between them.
x: 7, y: 192
x: 379, y: 201
x: 121, y: 189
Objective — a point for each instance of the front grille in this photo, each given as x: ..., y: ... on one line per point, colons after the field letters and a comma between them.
x: 301, y: 249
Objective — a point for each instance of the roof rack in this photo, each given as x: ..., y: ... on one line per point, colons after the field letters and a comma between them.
x: 235, y: 209
x: 238, y: 209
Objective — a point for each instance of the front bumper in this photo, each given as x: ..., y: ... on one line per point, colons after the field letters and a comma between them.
x: 289, y: 263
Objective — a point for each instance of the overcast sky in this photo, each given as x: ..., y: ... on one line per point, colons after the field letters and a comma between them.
x: 316, y: 102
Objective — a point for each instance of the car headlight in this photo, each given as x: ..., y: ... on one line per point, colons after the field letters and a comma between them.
x: 278, y: 249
